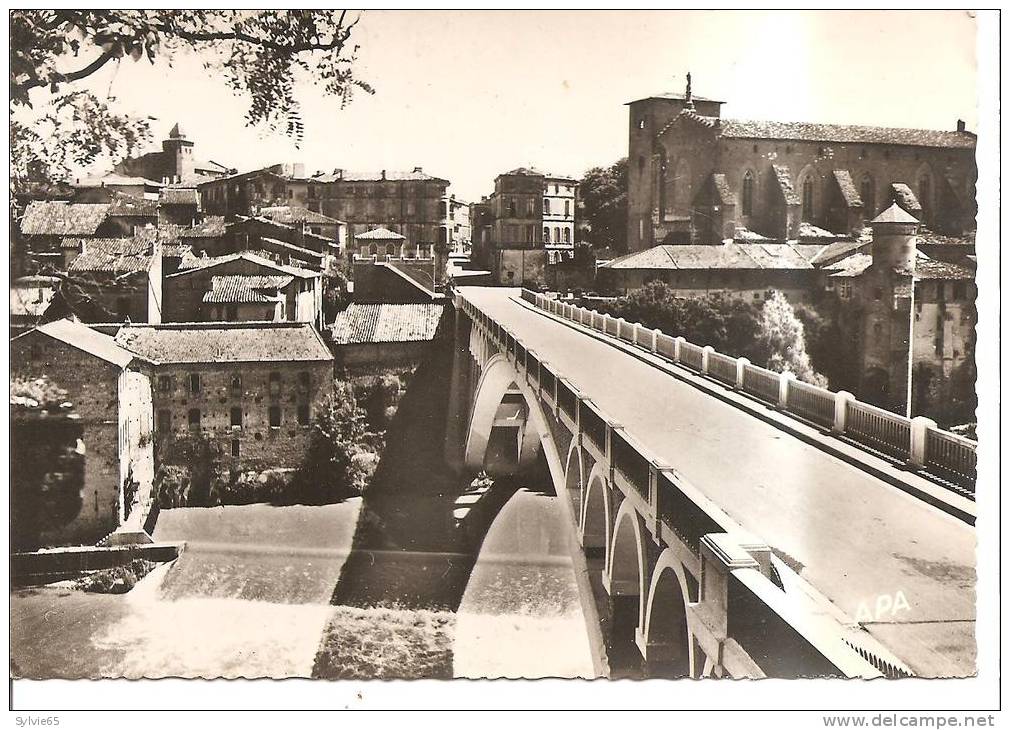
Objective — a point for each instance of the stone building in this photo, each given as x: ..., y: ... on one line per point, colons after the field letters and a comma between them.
x: 242, y: 287
x: 385, y: 335
x: 560, y: 197
x: 409, y: 203
x: 694, y: 176
x: 731, y: 270
x: 252, y: 389
x: 243, y: 193
x: 390, y: 268
x: 115, y: 279
x: 285, y: 243
x: 894, y: 295
x: 174, y: 163
x: 308, y: 221
x: 110, y: 404
x: 459, y: 223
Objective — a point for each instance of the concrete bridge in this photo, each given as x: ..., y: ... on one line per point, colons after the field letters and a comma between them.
x: 739, y: 541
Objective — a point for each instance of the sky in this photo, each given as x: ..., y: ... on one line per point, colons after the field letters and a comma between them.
x: 468, y: 95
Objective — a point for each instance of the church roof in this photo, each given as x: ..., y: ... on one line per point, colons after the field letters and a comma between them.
x: 177, y: 132
x: 732, y: 255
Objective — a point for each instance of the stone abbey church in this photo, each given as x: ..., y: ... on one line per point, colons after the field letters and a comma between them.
x: 695, y: 177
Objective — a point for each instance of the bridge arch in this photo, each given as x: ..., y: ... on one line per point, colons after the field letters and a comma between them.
x: 666, y: 629
x: 627, y: 562
x: 596, y: 513
x: 498, y: 377
x: 575, y: 476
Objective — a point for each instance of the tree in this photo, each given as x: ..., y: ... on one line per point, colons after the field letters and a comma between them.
x: 604, y: 194
x: 781, y: 335
x: 333, y: 467
x: 258, y: 53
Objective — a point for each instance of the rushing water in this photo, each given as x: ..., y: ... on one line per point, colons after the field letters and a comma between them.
x: 391, y: 585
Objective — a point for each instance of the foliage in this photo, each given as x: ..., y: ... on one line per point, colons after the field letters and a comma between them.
x: 604, y: 193
x: 335, y: 294
x: 334, y: 467
x: 781, y: 335
x: 379, y: 395
x: 258, y: 54
x: 771, y: 336
x: 119, y: 579
x: 833, y: 350
x: 40, y: 393
x: 190, y: 468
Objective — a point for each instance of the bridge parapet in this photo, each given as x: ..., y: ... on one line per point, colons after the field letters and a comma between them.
x: 915, y: 442
x: 737, y: 596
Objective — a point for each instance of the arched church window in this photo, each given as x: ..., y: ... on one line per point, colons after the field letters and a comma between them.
x: 747, y: 193
x: 866, y: 193
x: 807, y: 211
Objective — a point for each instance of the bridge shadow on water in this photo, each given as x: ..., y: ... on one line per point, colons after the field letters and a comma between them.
x: 409, y: 551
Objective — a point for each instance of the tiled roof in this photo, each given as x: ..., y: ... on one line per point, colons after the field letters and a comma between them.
x: 114, y: 180
x: 926, y: 268
x: 205, y: 262
x: 732, y: 255
x: 379, y: 234
x: 127, y: 206
x: 902, y: 195
x: 388, y: 175
x: 179, y: 196
x: 239, y: 289
x: 114, y: 255
x: 847, y: 188
x: 362, y: 323
x: 86, y: 339
x: 524, y: 171
x: 211, y: 227
x: 52, y: 218
x: 836, y: 251
x: 845, y: 133
x: 421, y: 276
x: 675, y: 95
x: 726, y: 196
x: 853, y: 265
x: 215, y: 342
x: 296, y: 214
x: 786, y: 185
x: 291, y: 248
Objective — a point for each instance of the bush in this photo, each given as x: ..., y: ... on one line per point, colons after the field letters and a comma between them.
x: 120, y: 579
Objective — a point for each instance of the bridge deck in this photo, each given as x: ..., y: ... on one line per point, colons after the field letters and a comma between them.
x: 849, y: 535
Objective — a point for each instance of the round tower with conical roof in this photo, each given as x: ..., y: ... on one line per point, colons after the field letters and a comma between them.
x: 894, y: 239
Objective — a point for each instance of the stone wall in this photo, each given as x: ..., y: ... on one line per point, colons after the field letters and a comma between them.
x: 259, y: 444
x: 92, y: 385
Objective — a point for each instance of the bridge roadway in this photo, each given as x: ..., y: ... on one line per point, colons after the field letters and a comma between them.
x: 850, y: 536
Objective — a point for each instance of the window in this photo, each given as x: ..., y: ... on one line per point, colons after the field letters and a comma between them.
x: 275, y: 416
x: 547, y: 206
x: 568, y: 235
x: 547, y: 233
x: 866, y: 192
x: 924, y: 185
x: 372, y: 250
x: 236, y: 448
x: 303, y: 414
x: 236, y: 384
x: 845, y: 289
x: 530, y: 206
x: 194, y: 417
x: 304, y: 381
x: 194, y: 383
x: 641, y: 123
x: 808, y: 199
x: 878, y: 332
x: 236, y: 417
x: 275, y: 383
x: 747, y: 193
x: 512, y: 206
x: 390, y: 249
x: 568, y: 209
x: 164, y: 384
x: 164, y: 420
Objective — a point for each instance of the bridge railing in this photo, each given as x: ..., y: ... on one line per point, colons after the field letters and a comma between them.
x: 669, y: 502
x: 917, y: 441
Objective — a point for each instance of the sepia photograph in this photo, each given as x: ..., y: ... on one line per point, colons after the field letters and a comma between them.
x: 438, y: 345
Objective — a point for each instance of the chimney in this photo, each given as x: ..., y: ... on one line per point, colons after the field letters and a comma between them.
x: 418, y: 169
x: 960, y: 125
x: 383, y: 174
